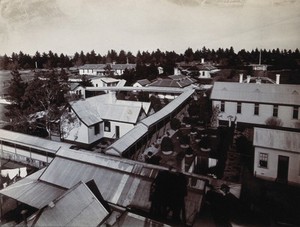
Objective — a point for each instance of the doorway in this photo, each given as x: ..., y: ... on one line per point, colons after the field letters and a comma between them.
x: 283, y: 169
x: 117, y: 132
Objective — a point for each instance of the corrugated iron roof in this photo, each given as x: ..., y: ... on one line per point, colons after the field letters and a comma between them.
x: 109, y: 80
x: 168, y: 108
x: 76, y: 207
x: 128, y: 139
x: 122, y: 182
x: 286, y: 94
x: 31, y: 141
x: 143, y: 82
x: 172, y: 90
x: 173, y: 82
x: 33, y: 192
x: 93, y: 66
x: 98, y: 108
x: 141, y: 129
x: 122, y: 66
x: 277, y: 139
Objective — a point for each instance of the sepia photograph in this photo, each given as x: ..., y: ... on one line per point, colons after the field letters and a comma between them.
x: 150, y: 113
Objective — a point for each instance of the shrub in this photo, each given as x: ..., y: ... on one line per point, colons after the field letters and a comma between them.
x: 166, y: 144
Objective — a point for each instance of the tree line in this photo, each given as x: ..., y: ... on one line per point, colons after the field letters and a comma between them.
x: 228, y: 58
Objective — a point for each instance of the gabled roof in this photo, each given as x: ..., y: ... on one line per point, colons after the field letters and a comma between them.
x: 76, y: 207
x: 93, y: 66
x: 143, y: 82
x: 145, y: 105
x: 168, y: 82
x: 98, y: 108
x: 283, y: 140
x: 28, y: 191
x: 108, y: 80
x: 285, y: 94
x: 122, y: 66
x: 73, y: 86
x: 122, y: 182
x: 196, y: 65
x: 130, y: 138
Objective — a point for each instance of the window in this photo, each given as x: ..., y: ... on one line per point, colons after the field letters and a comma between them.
x: 295, y: 112
x: 263, y: 160
x: 239, y: 108
x: 97, y: 129
x: 222, y: 106
x: 106, y: 126
x: 275, y: 111
x: 256, y: 109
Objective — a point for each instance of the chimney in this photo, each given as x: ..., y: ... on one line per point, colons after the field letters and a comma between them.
x: 277, y: 78
x: 202, y: 60
x: 248, y: 79
x: 112, y: 97
x: 241, y: 78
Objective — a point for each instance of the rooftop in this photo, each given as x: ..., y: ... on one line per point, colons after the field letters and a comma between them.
x: 285, y: 94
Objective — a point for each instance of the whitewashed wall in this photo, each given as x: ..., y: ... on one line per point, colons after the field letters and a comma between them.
x: 270, y: 173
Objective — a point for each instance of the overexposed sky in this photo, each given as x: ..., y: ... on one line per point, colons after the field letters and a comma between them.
x: 67, y: 26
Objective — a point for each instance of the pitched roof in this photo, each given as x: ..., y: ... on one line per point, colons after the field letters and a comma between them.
x: 122, y: 66
x: 285, y: 94
x: 109, y: 80
x: 168, y: 82
x: 93, y: 66
x: 73, y: 86
x: 31, y: 141
x: 76, y: 207
x: 122, y: 182
x: 28, y: 191
x: 277, y: 139
x: 143, y: 82
x: 98, y: 108
x: 130, y: 138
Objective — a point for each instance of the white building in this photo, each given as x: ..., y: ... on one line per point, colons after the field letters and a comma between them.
x: 203, y: 69
x: 77, y: 89
x: 105, y: 69
x: 93, y: 69
x: 277, y: 155
x: 254, y: 103
x: 141, y: 83
x: 105, y: 81
x: 89, y: 120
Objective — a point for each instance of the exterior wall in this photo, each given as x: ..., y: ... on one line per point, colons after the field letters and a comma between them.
x: 285, y: 113
x: 270, y: 172
x: 78, y: 134
x: 97, y: 82
x: 136, y: 85
x: 204, y: 74
x: 79, y: 90
x: 91, y: 133
x: 124, y: 128
x: 87, y: 72
x: 118, y: 72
